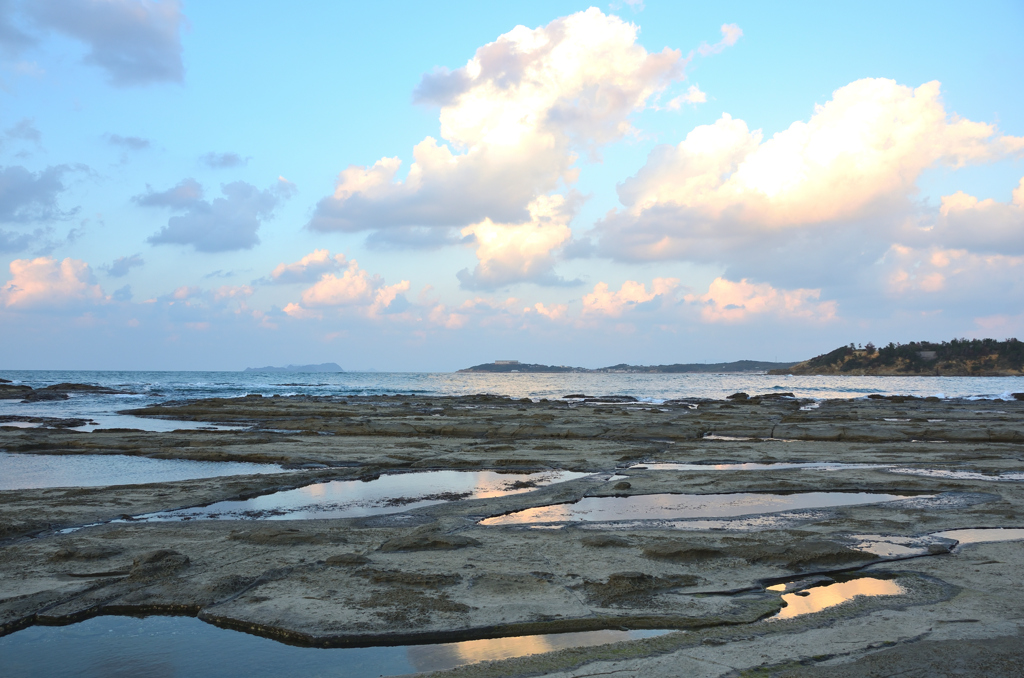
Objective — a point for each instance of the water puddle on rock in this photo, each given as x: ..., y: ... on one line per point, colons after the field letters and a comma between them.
x: 1012, y: 476
x: 34, y: 471
x: 90, y: 423
x: 676, y: 506
x: 20, y: 424
x: 983, y: 534
x: 387, y: 494
x: 753, y: 466
x: 770, y: 521
x: 889, y: 546
x: 185, y: 646
x: 732, y: 439
x: 818, y: 598
x: 101, y: 422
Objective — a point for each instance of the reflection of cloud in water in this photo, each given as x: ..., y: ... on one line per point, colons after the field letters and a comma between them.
x: 449, y: 655
x: 762, y: 522
x: 822, y: 597
x: 668, y: 506
x: 314, y: 491
x: 32, y: 471
x: 889, y: 546
x: 438, y: 657
x: 980, y: 535
x: 392, y: 493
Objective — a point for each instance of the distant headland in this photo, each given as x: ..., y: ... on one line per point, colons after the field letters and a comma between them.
x: 322, y: 367
x: 738, y: 366
x: 956, y: 358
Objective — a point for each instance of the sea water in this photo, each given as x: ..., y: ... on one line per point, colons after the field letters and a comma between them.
x: 148, y: 388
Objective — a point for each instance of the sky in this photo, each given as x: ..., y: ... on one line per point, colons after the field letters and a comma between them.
x: 427, y: 186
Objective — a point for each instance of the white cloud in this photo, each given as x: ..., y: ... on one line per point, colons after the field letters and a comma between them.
x: 296, y: 311
x: 858, y: 157
x: 953, y: 278
x: 516, y: 115
x: 353, y: 288
x: 981, y: 225
x: 725, y: 301
x: 730, y: 34
x: 309, y: 268
x: 386, y: 295
x: 46, y: 282
x: 186, y: 292
x: 553, y: 312
x: 512, y: 253
x: 441, y: 316
x: 693, y: 96
x: 728, y: 301
x: 602, y: 301
x: 226, y: 293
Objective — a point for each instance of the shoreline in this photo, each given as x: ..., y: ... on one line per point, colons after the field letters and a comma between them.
x: 435, y: 572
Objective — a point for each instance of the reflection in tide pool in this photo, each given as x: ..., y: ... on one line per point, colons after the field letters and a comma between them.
x: 768, y: 521
x: 387, y: 494
x: 156, y: 647
x: 444, y: 656
x: 819, y: 598
x: 153, y: 424
x: 669, y: 506
x: 983, y: 534
x: 33, y: 471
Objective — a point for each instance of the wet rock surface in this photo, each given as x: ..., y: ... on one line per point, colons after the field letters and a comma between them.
x: 9, y: 391
x: 435, y: 574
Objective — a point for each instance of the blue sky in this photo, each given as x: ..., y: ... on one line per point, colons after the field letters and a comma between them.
x: 193, y: 185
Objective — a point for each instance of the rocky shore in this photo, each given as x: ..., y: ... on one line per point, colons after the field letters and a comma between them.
x: 27, y: 394
x: 437, y: 574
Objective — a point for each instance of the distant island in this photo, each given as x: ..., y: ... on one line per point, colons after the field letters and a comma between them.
x: 956, y: 358
x: 322, y: 367
x: 738, y: 366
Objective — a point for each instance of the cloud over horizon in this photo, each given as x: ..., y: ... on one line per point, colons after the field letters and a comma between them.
x: 546, y: 188
x: 353, y: 288
x: 47, y: 283
x: 835, y: 193
x: 859, y: 157
x: 517, y: 116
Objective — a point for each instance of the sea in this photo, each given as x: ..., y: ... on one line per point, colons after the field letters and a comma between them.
x: 146, y: 388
